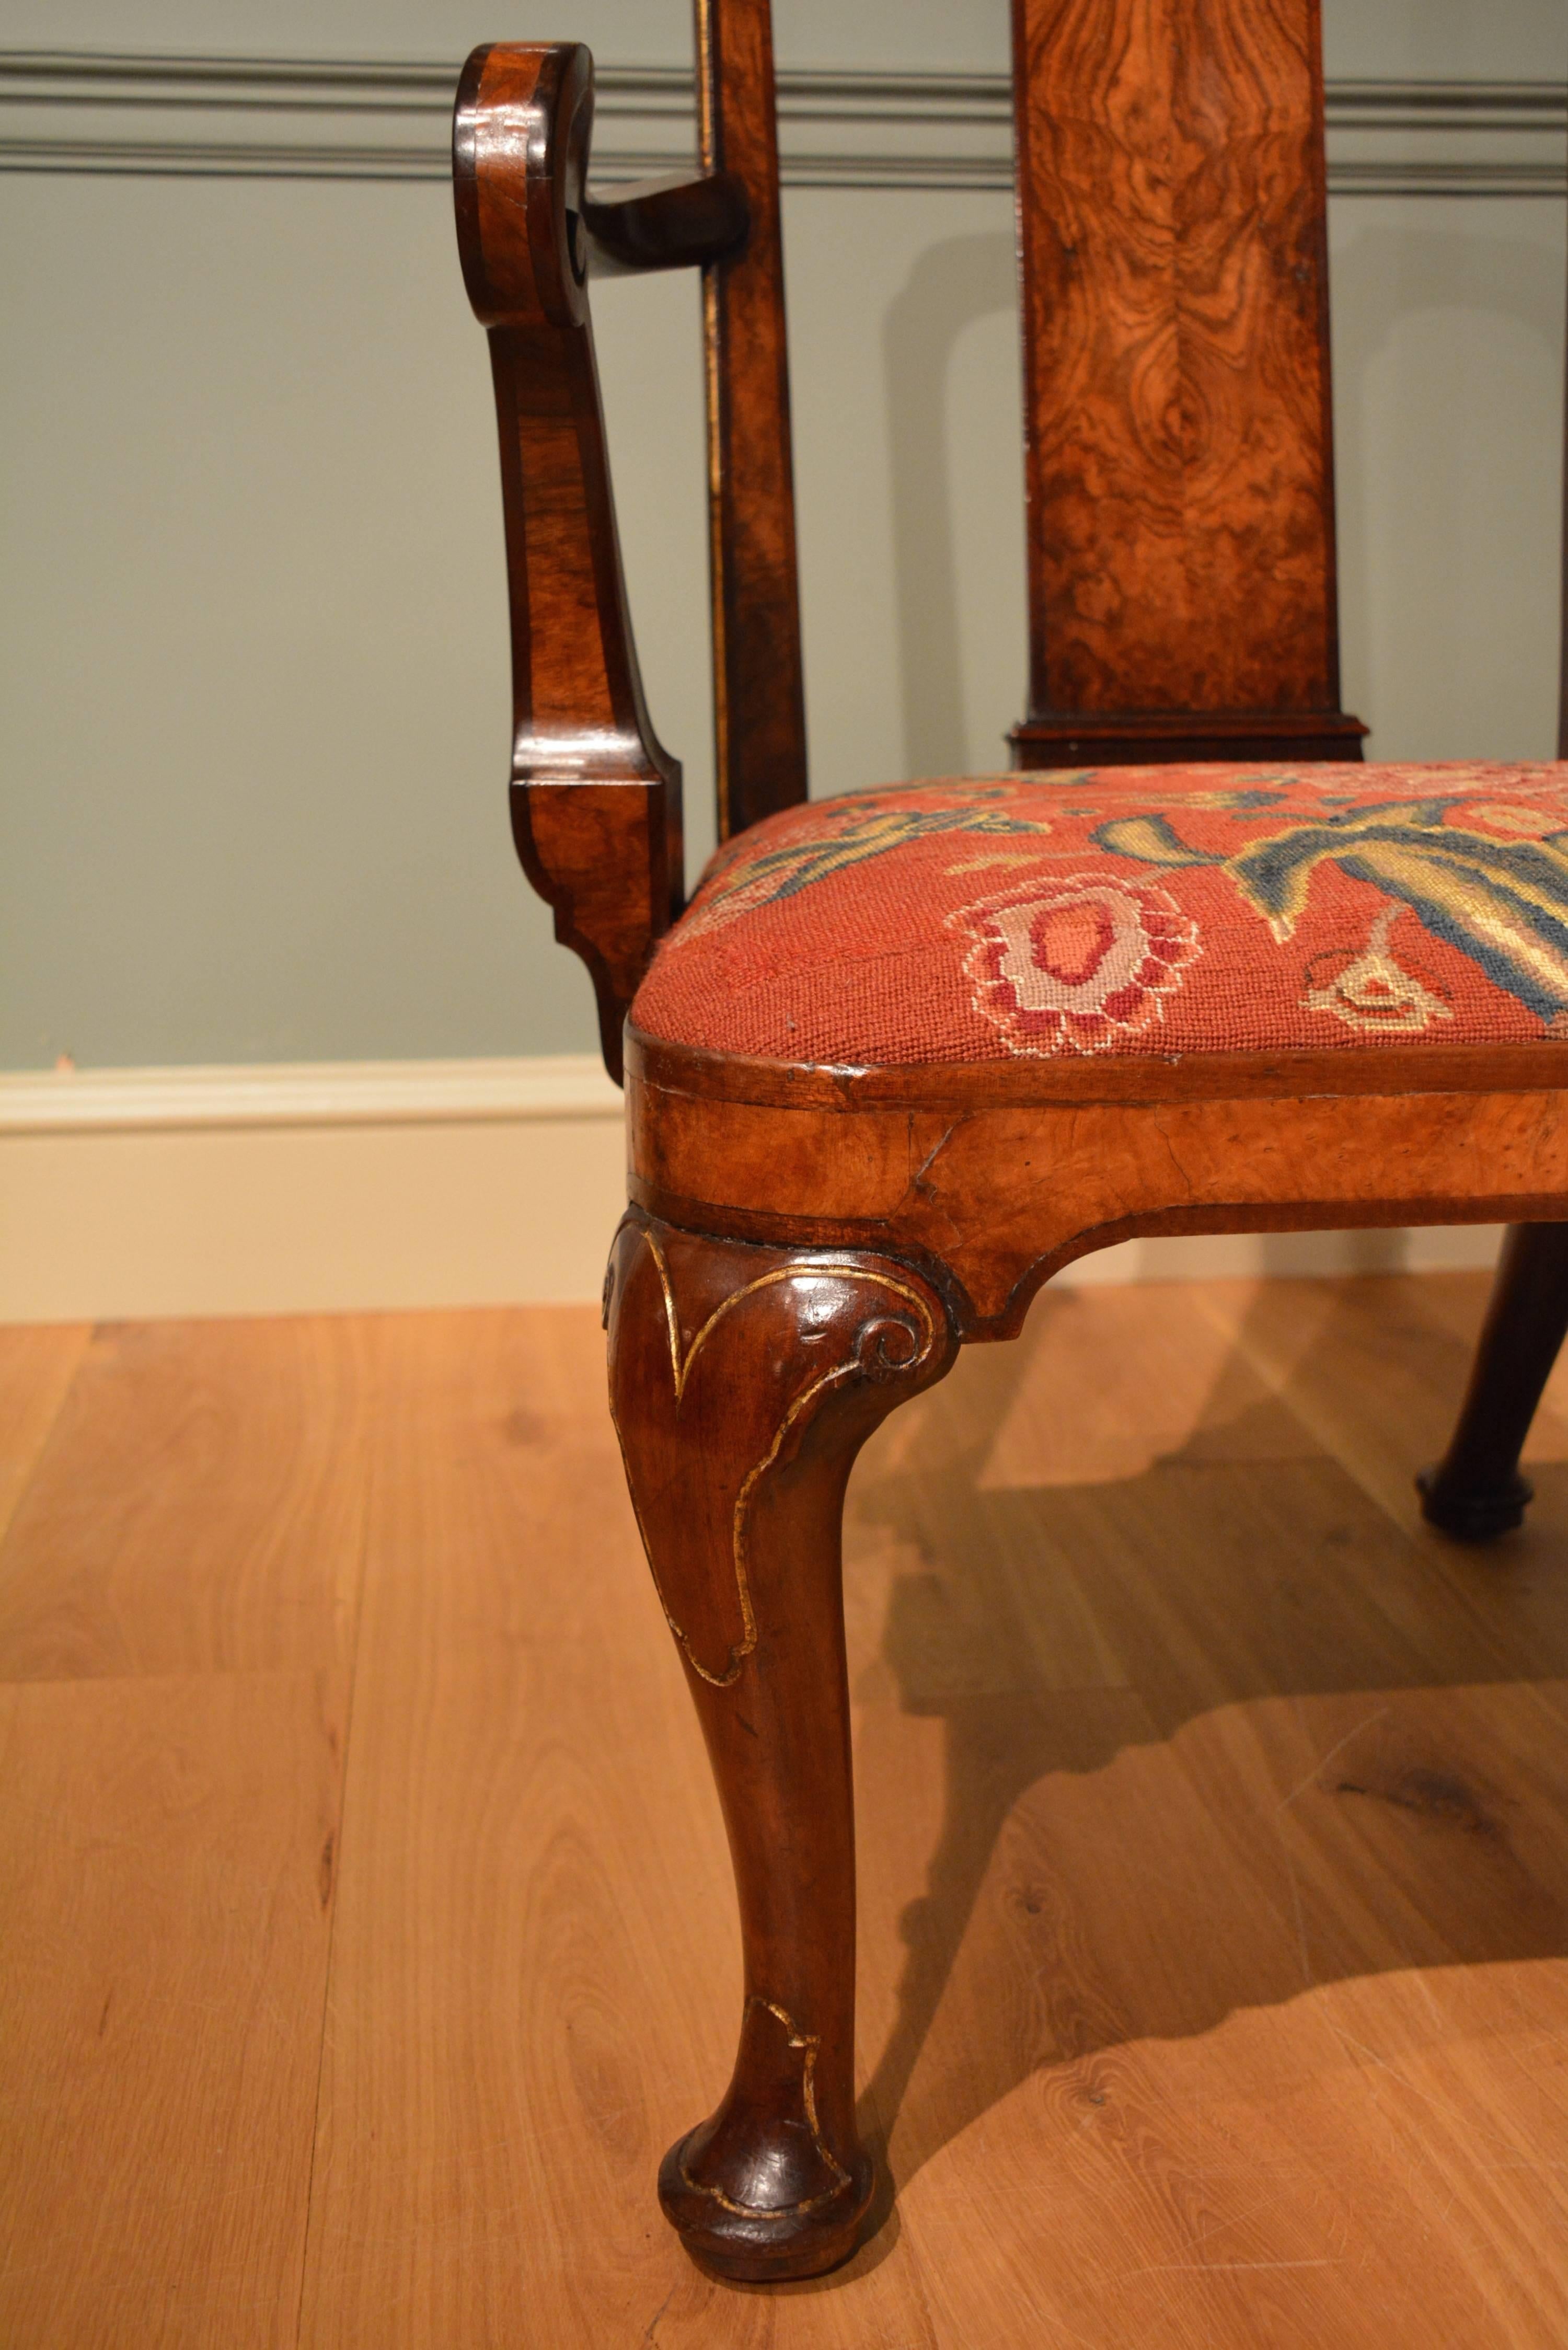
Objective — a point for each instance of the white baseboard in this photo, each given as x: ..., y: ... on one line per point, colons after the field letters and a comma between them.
x: 135, y: 1193
x: 138, y: 1192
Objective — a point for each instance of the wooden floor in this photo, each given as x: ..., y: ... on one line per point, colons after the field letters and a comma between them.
x: 367, y: 1926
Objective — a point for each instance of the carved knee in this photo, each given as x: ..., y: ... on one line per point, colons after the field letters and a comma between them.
x: 744, y: 1381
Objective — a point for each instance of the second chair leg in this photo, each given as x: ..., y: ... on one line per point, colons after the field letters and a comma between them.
x: 744, y: 1382
x: 1476, y: 1490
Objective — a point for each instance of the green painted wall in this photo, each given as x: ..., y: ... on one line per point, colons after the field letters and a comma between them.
x: 252, y: 689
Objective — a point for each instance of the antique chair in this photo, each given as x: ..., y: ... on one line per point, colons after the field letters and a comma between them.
x: 908, y: 1053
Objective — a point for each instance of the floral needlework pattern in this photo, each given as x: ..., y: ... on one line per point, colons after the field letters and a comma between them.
x: 1370, y: 990
x: 1133, y: 910
x: 1504, y: 902
x: 1076, y: 966
x: 846, y: 832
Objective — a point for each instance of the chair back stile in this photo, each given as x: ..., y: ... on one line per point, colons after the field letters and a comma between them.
x: 759, y: 704
x: 1563, y: 658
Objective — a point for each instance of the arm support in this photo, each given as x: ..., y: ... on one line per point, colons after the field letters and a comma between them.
x: 682, y: 223
x: 596, y: 801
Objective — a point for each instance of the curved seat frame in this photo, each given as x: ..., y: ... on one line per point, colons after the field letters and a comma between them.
x: 992, y: 1176
x: 807, y: 1245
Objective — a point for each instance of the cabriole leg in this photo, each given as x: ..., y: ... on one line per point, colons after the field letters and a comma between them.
x: 744, y: 1382
x: 1476, y: 1490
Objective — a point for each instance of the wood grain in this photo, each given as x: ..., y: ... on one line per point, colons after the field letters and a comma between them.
x: 990, y: 1201
x: 1174, y: 274
x: 1250, y: 2147
x: 536, y: 1955
x: 1213, y: 1899
x: 493, y: 2073
x: 1080, y: 738
x: 199, y: 1506
x: 36, y: 1368
x: 744, y: 1382
x: 1283, y: 1790
x: 1372, y: 1368
x: 1476, y: 1490
x: 1182, y: 601
x: 759, y: 694
x: 167, y: 1849
x: 596, y: 799
x: 1405, y: 1355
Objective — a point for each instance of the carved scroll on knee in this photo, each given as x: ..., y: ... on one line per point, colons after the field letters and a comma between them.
x: 726, y: 1363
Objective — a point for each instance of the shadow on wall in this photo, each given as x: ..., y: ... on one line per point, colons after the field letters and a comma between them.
x: 1448, y: 356
x: 1374, y: 1249
x: 951, y: 284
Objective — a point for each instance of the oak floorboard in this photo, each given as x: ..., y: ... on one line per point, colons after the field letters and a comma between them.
x: 198, y: 1506
x: 1186, y: 1962
x: 1374, y: 1364
x: 1456, y: 1303
x: 1284, y: 1997
x: 166, y: 1861
x: 1214, y: 1882
x: 536, y: 1974
x: 1102, y: 1388
x: 1375, y: 1367
x: 38, y: 1364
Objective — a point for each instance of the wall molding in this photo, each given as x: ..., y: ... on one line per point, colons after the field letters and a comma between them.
x: 307, y: 1093
x: 108, y: 113
x: 363, y: 1186
x: 139, y: 1193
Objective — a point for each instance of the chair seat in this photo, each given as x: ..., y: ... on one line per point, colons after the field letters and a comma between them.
x: 1131, y: 911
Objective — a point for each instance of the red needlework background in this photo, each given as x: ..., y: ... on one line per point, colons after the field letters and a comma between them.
x: 1131, y: 910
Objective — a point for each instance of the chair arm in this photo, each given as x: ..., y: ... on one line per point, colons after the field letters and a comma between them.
x: 683, y: 222
x: 596, y: 801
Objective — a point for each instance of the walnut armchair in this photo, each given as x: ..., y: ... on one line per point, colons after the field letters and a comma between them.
x: 1188, y: 967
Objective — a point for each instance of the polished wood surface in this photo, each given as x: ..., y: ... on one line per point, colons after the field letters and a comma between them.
x: 682, y: 221
x: 758, y: 682
x: 36, y: 1368
x: 256, y: 1439
x: 1214, y: 1889
x: 179, y: 1594
x: 744, y: 1382
x: 596, y: 799
x: 990, y: 1197
x: 1172, y: 218
x: 1182, y: 604
x: 1476, y: 1490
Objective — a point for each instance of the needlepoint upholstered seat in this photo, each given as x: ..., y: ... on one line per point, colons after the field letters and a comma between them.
x: 1131, y: 910
x: 1191, y: 967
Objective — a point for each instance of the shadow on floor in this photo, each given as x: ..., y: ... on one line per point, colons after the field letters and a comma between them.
x: 1248, y: 1593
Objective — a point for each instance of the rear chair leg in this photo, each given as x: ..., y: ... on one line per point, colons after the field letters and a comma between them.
x: 1476, y: 1490
x: 744, y: 1382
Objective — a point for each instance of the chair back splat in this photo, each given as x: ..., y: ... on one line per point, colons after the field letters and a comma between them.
x: 1171, y: 205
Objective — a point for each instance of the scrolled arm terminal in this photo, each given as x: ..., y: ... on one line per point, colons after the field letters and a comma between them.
x: 596, y: 799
